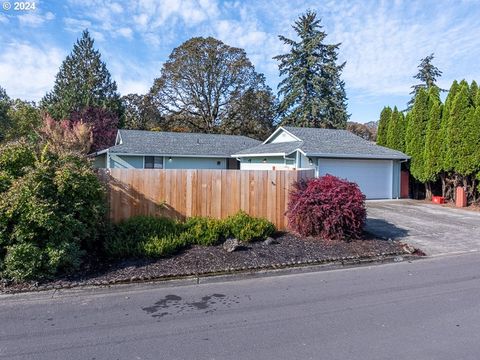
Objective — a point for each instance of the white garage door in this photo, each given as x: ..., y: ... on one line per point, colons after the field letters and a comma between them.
x: 374, y: 177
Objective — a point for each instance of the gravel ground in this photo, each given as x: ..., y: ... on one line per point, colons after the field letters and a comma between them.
x: 287, y: 250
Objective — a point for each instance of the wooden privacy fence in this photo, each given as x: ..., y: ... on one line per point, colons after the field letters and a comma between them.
x: 214, y: 193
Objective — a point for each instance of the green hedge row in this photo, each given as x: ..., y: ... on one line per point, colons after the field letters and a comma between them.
x: 153, y: 237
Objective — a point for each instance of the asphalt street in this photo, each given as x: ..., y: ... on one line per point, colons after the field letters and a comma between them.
x: 427, y: 309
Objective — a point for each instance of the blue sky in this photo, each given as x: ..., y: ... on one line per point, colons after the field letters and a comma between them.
x: 382, y: 41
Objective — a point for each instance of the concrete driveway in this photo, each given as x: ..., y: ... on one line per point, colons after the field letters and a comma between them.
x: 433, y: 228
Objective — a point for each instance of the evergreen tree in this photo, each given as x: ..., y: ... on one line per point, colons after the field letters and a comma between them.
x: 396, y: 131
x: 312, y: 92
x: 433, y: 141
x: 83, y: 81
x: 427, y: 74
x: 415, y: 135
x: 463, y: 134
x: 447, y: 166
x: 5, y: 104
x: 383, y: 124
x: 474, y: 92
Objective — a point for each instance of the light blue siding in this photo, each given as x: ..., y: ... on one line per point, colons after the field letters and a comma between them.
x: 126, y: 162
x: 100, y: 161
x: 194, y: 163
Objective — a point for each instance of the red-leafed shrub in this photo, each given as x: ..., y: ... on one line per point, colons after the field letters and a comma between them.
x: 328, y: 207
x: 103, y: 122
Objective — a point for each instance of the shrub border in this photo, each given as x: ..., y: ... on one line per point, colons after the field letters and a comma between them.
x: 317, y: 264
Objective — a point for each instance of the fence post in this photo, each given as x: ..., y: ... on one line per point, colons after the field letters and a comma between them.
x: 461, y: 197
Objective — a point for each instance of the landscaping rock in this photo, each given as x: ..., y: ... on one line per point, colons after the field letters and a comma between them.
x: 408, y: 248
x: 230, y: 245
x: 270, y: 241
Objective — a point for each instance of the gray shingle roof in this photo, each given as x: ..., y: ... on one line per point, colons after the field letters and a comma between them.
x: 328, y: 143
x: 273, y: 148
x: 142, y: 142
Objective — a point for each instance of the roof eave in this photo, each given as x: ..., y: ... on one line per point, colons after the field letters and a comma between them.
x: 170, y: 154
x: 358, y: 156
x: 260, y: 154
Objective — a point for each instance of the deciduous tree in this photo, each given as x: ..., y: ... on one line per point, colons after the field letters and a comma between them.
x: 203, y: 82
x: 140, y: 113
x: 104, y: 125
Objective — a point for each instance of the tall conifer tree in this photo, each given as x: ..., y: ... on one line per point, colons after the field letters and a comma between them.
x: 383, y: 124
x: 433, y: 141
x: 82, y: 82
x: 427, y: 74
x: 396, y: 131
x: 463, y: 135
x: 312, y: 92
x: 415, y: 135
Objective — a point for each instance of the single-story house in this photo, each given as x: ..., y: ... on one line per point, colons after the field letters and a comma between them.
x: 374, y: 168
x: 138, y: 149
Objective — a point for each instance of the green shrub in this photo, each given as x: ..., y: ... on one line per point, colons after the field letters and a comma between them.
x: 130, y: 237
x: 204, y: 231
x: 16, y: 158
x: 157, y: 246
x: 64, y: 258
x: 247, y: 228
x: 15, y: 161
x: 58, y: 208
x: 24, y: 262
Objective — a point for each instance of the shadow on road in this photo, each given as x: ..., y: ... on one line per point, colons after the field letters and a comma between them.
x: 384, y: 230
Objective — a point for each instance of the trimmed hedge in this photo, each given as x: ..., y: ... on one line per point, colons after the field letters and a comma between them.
x: 327, y: 207
x: 153, y: 237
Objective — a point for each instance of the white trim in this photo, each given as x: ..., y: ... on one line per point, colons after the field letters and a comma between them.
x: 283, y: 129
x: 259, y: 155
x: 354, y: 156
x: 99, y: 152
x: 173, y: 155
x: 118, y: 138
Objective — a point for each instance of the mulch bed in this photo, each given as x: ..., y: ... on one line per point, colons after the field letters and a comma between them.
x: 288, y: 250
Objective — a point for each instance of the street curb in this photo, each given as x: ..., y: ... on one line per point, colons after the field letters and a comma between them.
x: 233, y: 274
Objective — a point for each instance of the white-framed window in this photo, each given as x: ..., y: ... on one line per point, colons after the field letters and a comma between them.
x: 153, y: 162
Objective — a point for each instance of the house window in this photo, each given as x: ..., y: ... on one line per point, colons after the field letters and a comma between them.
x: 153, y: 162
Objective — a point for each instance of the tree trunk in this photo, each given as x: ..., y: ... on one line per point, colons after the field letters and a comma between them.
x: 428, y: 190
x: 444, y: 184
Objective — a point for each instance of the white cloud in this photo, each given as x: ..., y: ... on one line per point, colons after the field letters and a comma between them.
x: 126, y: 32
x: 3, y: 19
x: 28, y: 71
x: 35, y: 19
x: 76, y: 25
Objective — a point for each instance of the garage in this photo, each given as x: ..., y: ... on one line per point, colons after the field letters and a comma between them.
x: 374, y: 177
x: 376, y: 169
